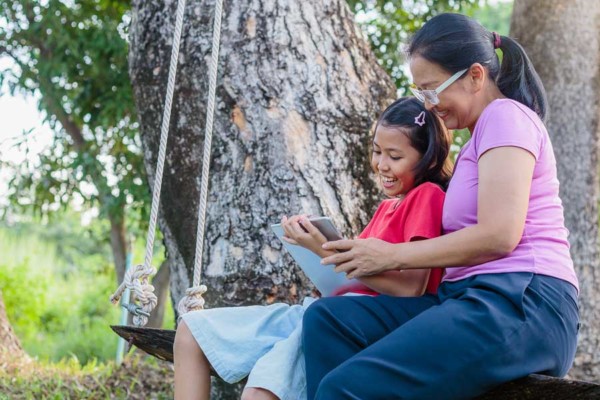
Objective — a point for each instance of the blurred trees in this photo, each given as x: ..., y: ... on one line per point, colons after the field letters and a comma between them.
x: 73, y: 58
x: 389, y: 24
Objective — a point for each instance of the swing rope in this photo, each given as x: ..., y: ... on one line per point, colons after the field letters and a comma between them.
x: 136, y: 279
x: 193, y: 299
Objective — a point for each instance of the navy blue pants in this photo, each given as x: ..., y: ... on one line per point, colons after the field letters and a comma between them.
x: 475, y: 334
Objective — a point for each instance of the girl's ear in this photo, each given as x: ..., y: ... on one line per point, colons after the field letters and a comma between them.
x: 477, y: 76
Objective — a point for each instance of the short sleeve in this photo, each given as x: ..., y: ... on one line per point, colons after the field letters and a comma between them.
x: 423, y: 213
x: 508, y: 123
x: 368, y: 231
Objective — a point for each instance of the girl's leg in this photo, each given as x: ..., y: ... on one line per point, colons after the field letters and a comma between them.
x: 257, y: 394
x: 192, y: 370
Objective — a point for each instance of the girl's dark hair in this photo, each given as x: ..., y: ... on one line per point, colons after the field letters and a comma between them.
x: 455, y: 42
x: 431, y: 140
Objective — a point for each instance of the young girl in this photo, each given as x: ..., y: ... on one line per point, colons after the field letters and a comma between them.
x: 410, y: 158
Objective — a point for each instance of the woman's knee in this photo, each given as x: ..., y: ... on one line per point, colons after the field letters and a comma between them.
x: 335, y: 385
x: 316, y: 313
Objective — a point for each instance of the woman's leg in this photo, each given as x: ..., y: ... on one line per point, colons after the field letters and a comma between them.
x: 338, y: 328
x: 488, y: 330
x: 192, y: 370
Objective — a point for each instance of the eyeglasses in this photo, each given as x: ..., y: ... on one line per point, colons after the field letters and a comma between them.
x: 431, y: 95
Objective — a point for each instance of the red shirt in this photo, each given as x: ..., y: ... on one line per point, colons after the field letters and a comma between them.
x: 417, y: 217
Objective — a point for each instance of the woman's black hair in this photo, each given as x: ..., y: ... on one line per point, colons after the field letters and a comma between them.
x: 455, y: 42
x: 430, y: 139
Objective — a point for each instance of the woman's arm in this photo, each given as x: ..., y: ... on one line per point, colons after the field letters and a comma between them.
x: 505, y: 175
x: 403, y: 283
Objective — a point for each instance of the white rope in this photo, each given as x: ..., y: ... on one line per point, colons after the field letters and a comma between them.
x: 136, y: 280
x: 143, y: 272
x: 193, y: 299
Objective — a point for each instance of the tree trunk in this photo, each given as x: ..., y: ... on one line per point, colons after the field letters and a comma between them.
x: 561, y: 37
x: 298, y: 90
x: 118, y: 245
x: 10, y: 347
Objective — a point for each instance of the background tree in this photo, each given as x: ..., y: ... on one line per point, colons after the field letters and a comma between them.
x: 9, y: 342
x: 73, y: 57
x: 561, y: 37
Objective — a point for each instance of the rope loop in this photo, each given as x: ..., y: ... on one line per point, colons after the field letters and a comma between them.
x: 136, y: 280
x: 192, y: 300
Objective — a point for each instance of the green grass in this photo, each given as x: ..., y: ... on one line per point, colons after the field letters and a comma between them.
x: 55, y: 314
x: 56, y: 282
x: 136, y: 378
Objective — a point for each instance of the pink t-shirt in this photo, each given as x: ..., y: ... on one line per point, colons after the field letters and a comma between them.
x: 544, y: 248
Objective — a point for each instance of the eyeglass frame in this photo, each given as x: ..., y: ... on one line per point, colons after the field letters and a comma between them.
x: 431, y: 95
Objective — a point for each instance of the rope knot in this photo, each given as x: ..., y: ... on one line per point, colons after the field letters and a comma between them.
x: 192, y: 300
x: 136, y: 280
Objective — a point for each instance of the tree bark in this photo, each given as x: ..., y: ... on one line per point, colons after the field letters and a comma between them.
x: 118, y: 245
x: 298, y: 91
x: 561, y: 38
x: 10, y: 346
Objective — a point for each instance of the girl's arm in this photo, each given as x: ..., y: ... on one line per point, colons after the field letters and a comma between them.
x: 298, y: 230
x: 505, y: 175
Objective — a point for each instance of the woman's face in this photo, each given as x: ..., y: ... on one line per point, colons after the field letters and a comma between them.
x: 394, y: 160
x: 454, y: 106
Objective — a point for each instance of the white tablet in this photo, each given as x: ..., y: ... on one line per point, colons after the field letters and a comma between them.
x: 325, y: 279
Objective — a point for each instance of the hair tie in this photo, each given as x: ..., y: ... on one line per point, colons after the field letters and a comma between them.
x: 420, y: 119
x: 497, y: 40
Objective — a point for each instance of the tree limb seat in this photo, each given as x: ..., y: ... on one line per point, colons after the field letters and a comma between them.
x: 159, y: 343
x: 156, y: 342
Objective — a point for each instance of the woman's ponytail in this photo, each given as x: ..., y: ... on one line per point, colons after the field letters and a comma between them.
x: 518, y: 79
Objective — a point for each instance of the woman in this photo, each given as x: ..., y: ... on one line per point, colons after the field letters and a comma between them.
x: 507, y: 306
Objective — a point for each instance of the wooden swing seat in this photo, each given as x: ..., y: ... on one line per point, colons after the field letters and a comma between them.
x: 159, y: 343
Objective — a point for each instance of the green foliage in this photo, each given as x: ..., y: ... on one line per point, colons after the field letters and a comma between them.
x: 73, y: 57
x: 56, y: 310
x: 495, y: 17
x: 388, y: 26
x: 56, y: 281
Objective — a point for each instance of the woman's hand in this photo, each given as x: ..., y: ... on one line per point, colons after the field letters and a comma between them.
x: 299, y: 231
x: 361, y: 257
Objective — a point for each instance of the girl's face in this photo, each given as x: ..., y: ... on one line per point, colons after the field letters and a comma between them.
x: 454, y: 106
x: 394, y: 160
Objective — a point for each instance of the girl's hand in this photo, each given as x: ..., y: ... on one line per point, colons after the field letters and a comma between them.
x: 299, y: 231
x: 361, y: 257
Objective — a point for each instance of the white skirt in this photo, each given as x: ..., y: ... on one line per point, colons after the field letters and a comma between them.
x: 261, y: 342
